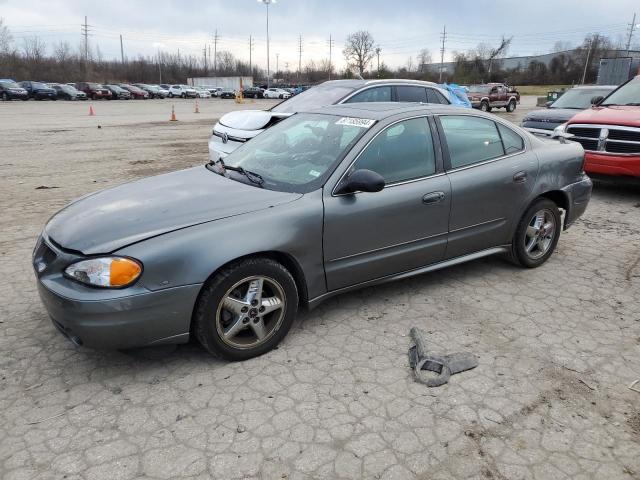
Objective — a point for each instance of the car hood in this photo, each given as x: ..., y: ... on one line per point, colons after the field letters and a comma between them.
x: 110, y: 219
x: 551, y: 115
x: 614, y: 115
x: 249, y: 119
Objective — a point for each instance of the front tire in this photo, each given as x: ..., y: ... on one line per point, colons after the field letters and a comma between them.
x: 246, y: 309
x: 5, y: 97
x: 537, y: 234
x: 511, y: 106
x: 484, y: 106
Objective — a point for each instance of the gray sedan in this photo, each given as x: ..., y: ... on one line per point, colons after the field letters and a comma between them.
x: 321, y: 203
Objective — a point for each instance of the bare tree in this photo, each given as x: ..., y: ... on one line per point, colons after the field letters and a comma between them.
x: 5, y: 37
x: 561, y: 46
x: 499, y: 51
x: 358, y: 50
x: 34, y: 49
x: 62, y: 51
x: 410, y: 64
x: 424, y: 58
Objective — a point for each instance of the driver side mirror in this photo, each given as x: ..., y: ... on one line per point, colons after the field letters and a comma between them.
x: 362, y: 180
x: 596, y: 100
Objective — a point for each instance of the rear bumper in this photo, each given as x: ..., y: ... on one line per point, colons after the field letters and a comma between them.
x: 578, y: 195
x: 613, y: 165
x: 153, y: 318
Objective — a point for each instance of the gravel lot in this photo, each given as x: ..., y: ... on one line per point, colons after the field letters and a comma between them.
x: 558, y: 346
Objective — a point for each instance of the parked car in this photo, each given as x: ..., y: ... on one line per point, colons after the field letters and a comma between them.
x: 94, y: 91
x: 543, y: 122
x: 226, y: 93
x: 610, y: 133
x: 493, y: 95
x: 253, y: 92
x: 203, y: 92
x: 136, y: 93
x: 211, y: 89
x: 10, y: 90
x: 276, y: 93
x: 164, y: 92
x: 38, y: 90
x: 154, y: 91
x: 322, y: 203
x: 66, y: 92
x: 118, y: 93
x: 235, y: 128
x: 215, y: 91
x: 166, y: 87
x: 184, y: 91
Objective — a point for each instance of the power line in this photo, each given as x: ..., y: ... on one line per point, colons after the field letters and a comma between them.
x: 215, y: 54
x: 84, y: 29
x: 331, y: 42
x: 251, y: 44
x: 299, y: 56
x: 632, y: 26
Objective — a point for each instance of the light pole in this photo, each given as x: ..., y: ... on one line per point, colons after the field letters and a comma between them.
x: 267, y: 3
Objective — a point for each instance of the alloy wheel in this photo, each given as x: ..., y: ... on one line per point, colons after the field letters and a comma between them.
x: 540, y: 234
x: 250, y: 312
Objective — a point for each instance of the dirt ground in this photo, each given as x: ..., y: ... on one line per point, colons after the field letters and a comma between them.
x: 558, y: 346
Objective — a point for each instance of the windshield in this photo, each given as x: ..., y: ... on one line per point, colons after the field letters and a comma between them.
x: 627, y: 94
x: 10, y: 84
x: 315, y: 97
x: 298, y: 154
x: 579, y: 98
x: 479, y: 89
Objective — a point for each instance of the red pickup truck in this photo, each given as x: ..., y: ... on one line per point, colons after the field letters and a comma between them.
x: 610, y: 132
x: 493, y: 95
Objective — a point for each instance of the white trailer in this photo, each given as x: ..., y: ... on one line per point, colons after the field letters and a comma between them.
x: 222, y: 82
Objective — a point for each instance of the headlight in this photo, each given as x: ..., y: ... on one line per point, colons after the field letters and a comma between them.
x: 105, y: 272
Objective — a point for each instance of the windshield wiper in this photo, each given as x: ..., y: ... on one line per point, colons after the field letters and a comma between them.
x: 253, y: 177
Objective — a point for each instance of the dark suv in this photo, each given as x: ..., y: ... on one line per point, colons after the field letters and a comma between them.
x: 94, y: 91
x: 10, y: 90
x: 39, y: 90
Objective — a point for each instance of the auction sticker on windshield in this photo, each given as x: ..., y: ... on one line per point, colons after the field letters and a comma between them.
x: 356, y: 122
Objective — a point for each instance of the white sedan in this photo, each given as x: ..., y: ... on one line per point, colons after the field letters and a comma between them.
x: 276, y: 93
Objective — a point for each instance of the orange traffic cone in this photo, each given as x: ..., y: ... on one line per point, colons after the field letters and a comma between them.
x: 91, y: 112
x: 197, y: 109
x: 173, y: 114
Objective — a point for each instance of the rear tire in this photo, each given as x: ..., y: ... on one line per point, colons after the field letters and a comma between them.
x: 511, y: 106
x: 5, y: 97
x: 537, y: 234
x: 212, y: 319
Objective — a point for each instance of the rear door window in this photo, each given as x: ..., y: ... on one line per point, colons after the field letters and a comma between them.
x: 471, y: 139
x: 376, y: 94
x: 434, y: 96
x: 511, y: 140
x: 411, y: 94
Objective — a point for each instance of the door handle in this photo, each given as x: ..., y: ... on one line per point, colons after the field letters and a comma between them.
x: 434, y: 197
x: 520, y: 177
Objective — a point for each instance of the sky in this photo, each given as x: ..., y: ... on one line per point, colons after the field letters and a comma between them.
x: 401, y: 28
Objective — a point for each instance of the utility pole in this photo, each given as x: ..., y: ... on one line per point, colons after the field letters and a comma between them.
x: 330, y: 47
x: 444, y: 39
x: 85, y: 32
x: 159, y: 67
x: 204, y: 51
x: 586, y: 63
x: 121, y: 50
x: 277, y: 63
x: 215, y: 54
x: 250, y: 50
x: 378, y: 50
x: 299, y: 57
x: 631, y: 28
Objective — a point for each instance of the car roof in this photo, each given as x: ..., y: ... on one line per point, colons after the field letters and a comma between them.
x: 592, y: 87
x: 382, y: 110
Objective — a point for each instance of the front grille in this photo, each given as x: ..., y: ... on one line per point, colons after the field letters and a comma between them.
x: 623, y: 147
x: 230, y: 137
x: 587, y: 143
x: 607, y: 138
x: 584, y: 132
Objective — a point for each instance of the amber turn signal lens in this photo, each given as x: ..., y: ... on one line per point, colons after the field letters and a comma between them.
x: 123, y: 271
